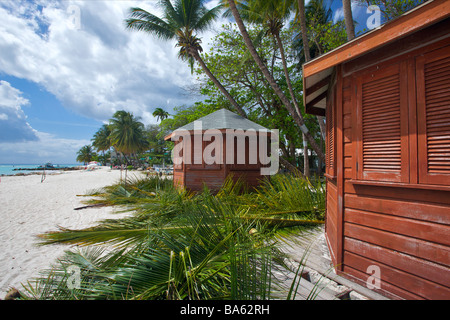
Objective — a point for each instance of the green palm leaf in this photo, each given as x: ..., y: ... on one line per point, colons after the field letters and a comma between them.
x: 195, y: 246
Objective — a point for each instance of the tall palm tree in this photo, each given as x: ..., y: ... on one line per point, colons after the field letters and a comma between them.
x: 348, y: 17
x: 273, y: 14
x: 323, y: 15
x: 316, y: 13
x: 298, y: 118
x: 85, y: 154
x: 101, y: 140
x: 181, y: 21
x: 160, y: 114
x: 127, y: 133
x: 302, y: 19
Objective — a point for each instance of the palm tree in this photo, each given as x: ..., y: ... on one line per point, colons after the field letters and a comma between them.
x: 101, y: 140
x: 181, y: 21
x: 273, y: 14
x: 315, y: 13
x: 85, y: 154
x: 127, y: 134
x: 302, y: 19
x: 298, y: 118
x: 323, y: 15
x: 348, y: 17
x: 160, y: 114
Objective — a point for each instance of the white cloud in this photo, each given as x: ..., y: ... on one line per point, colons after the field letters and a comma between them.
x: 13, y: 126
x: 95, y: 67
x: 47, y: 148
x: 90, y: 63
x: 19, y: 142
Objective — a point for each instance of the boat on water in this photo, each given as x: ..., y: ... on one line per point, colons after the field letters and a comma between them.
x: 48, y: 165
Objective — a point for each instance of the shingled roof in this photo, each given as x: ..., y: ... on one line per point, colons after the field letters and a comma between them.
x: 223, y: 119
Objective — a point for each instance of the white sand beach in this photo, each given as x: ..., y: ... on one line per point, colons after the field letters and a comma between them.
x: 29, y: 207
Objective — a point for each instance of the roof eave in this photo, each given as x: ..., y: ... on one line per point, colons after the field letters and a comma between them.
x: 315, y: 72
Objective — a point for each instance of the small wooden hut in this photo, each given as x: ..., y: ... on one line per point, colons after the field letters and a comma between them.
x: 386, y: 97
x: 216, y: 146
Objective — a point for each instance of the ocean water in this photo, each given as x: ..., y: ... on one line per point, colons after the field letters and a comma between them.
x: 8, y: 169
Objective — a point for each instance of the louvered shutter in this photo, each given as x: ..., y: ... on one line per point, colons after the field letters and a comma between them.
x: 433, y: 107
x: 382, y: 141
x: 330, y: 142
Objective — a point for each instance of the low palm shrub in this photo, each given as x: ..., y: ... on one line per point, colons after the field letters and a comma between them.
x: 181, y: 245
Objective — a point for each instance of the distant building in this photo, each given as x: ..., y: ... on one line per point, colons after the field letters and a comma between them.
x: 210, y: 149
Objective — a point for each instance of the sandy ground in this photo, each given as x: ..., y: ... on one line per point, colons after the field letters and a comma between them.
x: 29, y: 207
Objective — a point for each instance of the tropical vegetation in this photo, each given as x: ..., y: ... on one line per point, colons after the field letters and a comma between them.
x: 253, y: 68
x: 85, y: 154
x: 226, y: 245
x: 179, y: 245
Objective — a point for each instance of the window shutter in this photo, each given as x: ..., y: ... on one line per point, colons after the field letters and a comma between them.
x: 382, y: 125
x: 433, y: 107
x: 330, y: 143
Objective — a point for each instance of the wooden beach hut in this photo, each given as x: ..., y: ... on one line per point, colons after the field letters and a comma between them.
x: 386, y: 97
x: 216, y: 146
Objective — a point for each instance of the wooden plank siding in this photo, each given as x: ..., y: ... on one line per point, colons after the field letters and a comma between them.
x: 332, y: 220
x: 195, y: 172
x: 400, y: 225
x: 197, y: 178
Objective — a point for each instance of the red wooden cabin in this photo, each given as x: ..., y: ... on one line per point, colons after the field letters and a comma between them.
x: 216, y: 146
x: 386, y: 97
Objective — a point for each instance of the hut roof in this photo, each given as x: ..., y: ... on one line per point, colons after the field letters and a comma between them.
x: 223, y: 119
x: 318, y: 73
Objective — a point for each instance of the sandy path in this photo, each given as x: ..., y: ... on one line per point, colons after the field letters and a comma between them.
x: 29, y: 207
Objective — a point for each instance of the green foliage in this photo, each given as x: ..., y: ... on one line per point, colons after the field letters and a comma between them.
x: 85, y: 154
x: 186, y: 114
x: 181, y: 20
x: 229, y: 60
x: 160, y: 114
x: 101, y: 140
x: 391, y: 9
x: 127, y: 133
x: 180, y: 245
x: 323, y: 34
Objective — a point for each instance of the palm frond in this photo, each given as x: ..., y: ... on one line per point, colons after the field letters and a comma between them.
x: 180, y: 245
x: 141, y: 20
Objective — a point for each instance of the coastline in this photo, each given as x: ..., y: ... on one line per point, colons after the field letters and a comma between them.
x: 30, y: 207
x: 27, y: 169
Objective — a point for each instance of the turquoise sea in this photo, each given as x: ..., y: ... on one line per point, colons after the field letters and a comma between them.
x: 8, y: 169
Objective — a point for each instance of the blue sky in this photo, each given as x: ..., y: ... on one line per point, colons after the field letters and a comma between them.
x: 67, y: 66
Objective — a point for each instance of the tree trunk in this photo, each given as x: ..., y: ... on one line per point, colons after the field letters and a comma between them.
x: 286, y: 73
x: 216, y: 82
x: 304, y: 31
x: 349, y: 26
x: 290, y: 167
x: 323, y: 128
x: 297, y: 117
x: 305, y: 158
